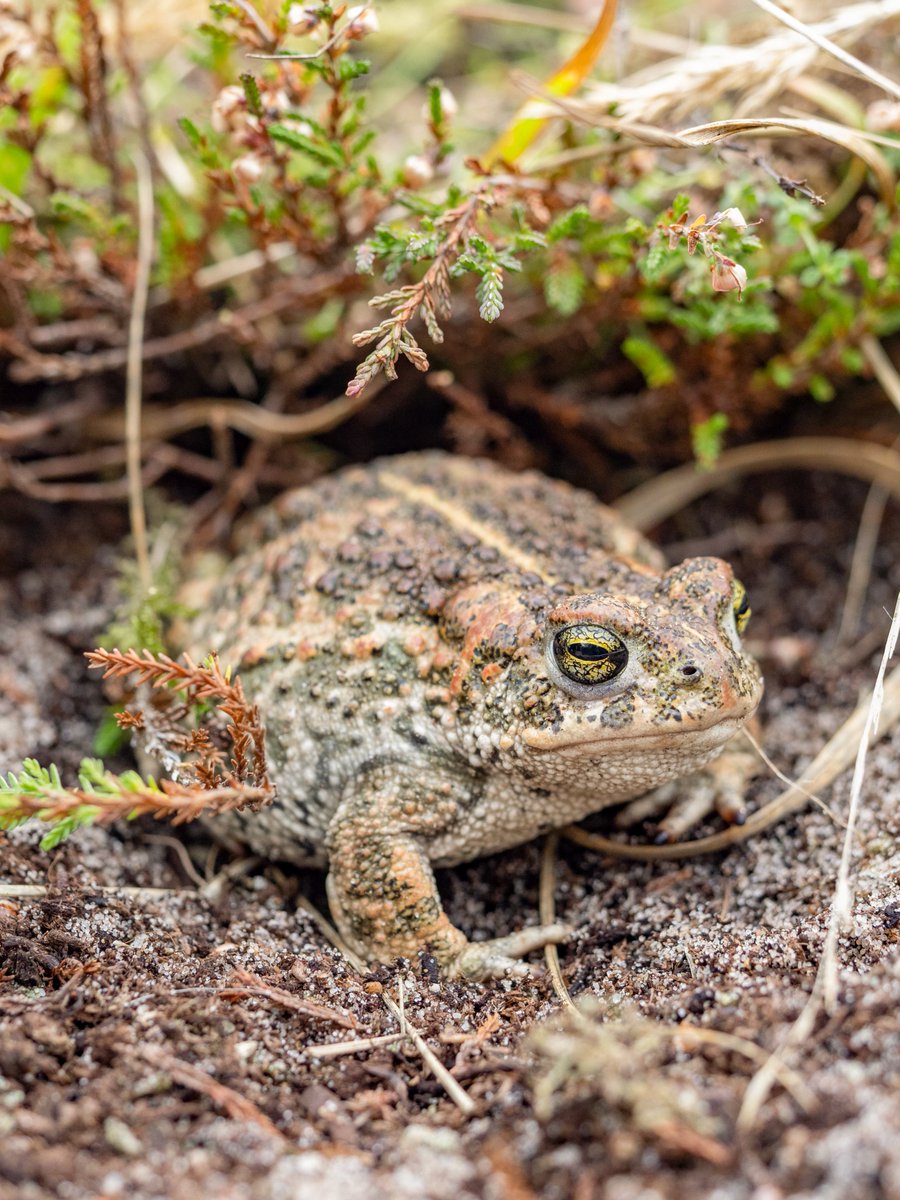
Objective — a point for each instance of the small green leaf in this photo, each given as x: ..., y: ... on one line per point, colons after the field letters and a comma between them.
x: 15, y: 164
x: 435, y: 108
x: 349, y: 69
x: 489, y: 293
x: 853, y: 360
x: 782, y: 373
x: 251, y: 94
x: 571, y: 224
x: 821, y: 389
x: 324, y: 152
x: 656, y: 367
x: 564, y: 286
x: 110, y: 737
x: 706, y: 439
x: 192, y: 133
x: 67, y: 826
x: 47, y: 94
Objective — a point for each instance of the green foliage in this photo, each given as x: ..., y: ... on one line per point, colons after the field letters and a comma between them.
x: 489, y: 262
x: 251, y: 94
x: 328, y: 153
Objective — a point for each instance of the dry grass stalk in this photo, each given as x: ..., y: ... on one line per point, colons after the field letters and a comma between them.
x: 854, y: 141
x: 754, y: 73
x: 135, y: 364
x: 882, y: 367
x: 37, y: 891
x: 861, y: 565
x: 232, y: 1103
x: 247, y: 984
x: 652, y: 502
x: 826, y: 44
x: 547, y: 910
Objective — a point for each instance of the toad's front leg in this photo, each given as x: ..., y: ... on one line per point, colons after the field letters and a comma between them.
x: 381, y: 887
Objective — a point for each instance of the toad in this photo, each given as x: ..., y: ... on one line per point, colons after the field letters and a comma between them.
x: 451, y: 658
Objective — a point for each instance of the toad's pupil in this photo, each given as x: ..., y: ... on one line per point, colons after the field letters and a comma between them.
x: 589, y: 651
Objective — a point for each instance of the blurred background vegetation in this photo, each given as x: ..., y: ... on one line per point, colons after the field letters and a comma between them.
x: 614, y: 295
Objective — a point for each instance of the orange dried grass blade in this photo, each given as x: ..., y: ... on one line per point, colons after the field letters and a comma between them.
x: 519, y: 135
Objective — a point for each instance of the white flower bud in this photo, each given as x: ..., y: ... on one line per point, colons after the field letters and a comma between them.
x: 361, y: 20
x: 883, y: 115
x: 302, y: 18
x: 299, y: 125
x: 447, y: 101
x: 249, y: 167
x: 417, y: 171
x: 278, y: 101
x: 732, y: 215
x: 16, y: 38
x: 727, y: 275
x: 229, y: 102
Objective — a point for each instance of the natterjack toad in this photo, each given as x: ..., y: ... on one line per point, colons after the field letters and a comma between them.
x: 451, y: 658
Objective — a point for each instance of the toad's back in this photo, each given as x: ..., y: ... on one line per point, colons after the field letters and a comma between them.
x: 409, y: 530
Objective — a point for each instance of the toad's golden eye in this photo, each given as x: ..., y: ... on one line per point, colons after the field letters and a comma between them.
x: 740, y: 606
x: 589, y: 653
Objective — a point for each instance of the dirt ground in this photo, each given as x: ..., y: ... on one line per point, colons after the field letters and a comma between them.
x: 162, y: 1043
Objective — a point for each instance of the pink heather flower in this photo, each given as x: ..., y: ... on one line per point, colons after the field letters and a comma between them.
x: 361, y: 20
x: 417, y: 171
x: 229, y: 102
x: 302, y: 18
x: 248, y: 167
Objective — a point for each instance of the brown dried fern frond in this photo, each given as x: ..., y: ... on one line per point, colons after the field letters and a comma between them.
x: 199, y: 684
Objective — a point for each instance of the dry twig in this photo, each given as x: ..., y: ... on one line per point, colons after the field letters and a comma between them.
x: 232, y: 1103
x: 652, y: 502
x: 200, y: 683
x: 248, y: 984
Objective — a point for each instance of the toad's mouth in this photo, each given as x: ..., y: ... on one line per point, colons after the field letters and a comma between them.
x: 611, y: 742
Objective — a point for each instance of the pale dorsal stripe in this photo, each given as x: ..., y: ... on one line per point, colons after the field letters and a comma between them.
x: 464, y: 522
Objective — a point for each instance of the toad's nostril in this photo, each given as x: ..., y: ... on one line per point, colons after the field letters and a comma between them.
x: 691, y: 672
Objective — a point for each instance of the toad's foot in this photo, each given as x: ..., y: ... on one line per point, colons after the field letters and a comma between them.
x: 501, y: 956
x: 719, y: 787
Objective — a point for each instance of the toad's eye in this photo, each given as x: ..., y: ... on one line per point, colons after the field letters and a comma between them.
x: 740, y: 607
x: 589, y: 653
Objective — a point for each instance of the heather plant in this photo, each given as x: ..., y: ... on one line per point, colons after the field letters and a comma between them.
x: 276, y: 206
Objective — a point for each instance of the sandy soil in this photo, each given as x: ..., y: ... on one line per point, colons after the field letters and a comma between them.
x: 162, y: 1043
